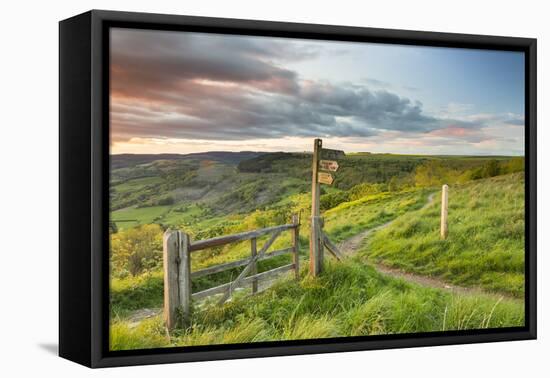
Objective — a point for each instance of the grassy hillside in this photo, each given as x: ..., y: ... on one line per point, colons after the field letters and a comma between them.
x: 486, y: 240
x: 350, y: 218
x: 132, y: 293
x: 350, y: 299
x: 188, y: 190
x: 213, y: 194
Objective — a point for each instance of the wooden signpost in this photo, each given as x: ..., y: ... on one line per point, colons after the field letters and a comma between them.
x: 444, y: 211
x: 327, y: 153
x: 315, y: 247
x: 318, y: 239
x: 328, y: 165
x: 325, y: 178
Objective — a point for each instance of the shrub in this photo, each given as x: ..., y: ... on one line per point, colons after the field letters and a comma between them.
x: 513, y: 165
x: 365, y: 189
x: 165, y: 201
x: 494, y: 168
x: 328, y: 201
x: 434, y: 173
x: 136, y: 250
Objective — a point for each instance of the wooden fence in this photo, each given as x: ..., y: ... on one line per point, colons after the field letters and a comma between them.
x: 177, y: 251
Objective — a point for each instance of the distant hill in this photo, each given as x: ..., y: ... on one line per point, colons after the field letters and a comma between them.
x: 131, y: 160
x: 271, y: 162
x: 176, y: 189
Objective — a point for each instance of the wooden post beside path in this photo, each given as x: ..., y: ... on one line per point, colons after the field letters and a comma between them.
x: 444, y: 211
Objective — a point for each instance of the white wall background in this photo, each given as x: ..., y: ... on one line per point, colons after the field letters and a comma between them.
x: 28, y: 148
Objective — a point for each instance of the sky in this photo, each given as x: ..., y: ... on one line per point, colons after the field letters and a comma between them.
x: 182, y: 92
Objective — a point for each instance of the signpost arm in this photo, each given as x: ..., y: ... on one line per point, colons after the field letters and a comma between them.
x: 314, y: 245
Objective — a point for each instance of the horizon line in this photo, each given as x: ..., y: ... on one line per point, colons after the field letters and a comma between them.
x: 309, y: 152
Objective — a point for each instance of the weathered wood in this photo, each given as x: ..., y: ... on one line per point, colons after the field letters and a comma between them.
x: 314, y: 267
x: 177, y: 247
x: 254, y: 268
x: 184, y: 277
x: 224, y: 287
x: 320, y: 233
x: 329, y: 165
x: 444, y: 211
x: 219, y: 268
x: 315, y: 188
x: 329, y: 154
x: 332, y: 248
x: 171, y: 287
x: 226, y: 239
x: 237, y: 263
x: 247, y: 268
x: 296, y: 245
x: 315, y: 262
x: 325, y: 178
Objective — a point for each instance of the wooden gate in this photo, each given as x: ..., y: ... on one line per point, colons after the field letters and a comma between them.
x: 177, y: 252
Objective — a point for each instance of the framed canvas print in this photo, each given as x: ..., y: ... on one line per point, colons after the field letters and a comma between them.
x: 234, y: 188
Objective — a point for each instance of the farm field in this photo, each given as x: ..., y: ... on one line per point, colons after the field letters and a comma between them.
x: 391, y: 200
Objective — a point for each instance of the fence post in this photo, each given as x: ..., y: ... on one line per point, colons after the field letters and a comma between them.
x: 185, y: 277
x: 254, y: 269
x: 444, y: 211
x: 315, y: 258
x: 170, y: 264
x: 177, y: 278
x: 296, y: 245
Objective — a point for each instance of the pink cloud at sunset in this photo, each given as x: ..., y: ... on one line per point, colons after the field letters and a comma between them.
x: 188, y: 92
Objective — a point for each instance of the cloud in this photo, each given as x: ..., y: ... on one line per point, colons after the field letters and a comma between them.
x: 513, y: 119
x: 220, y: 87
x: 377, y: 83
x: 143, y: 62
x: 461, y: 134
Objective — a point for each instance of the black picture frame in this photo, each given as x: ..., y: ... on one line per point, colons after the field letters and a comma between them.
x: 84, y: 175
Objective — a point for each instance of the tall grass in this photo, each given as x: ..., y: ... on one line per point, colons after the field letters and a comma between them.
x: 351, y: 218
x: 350, y: 298
x: 346, y: 220
x: 485, y: 246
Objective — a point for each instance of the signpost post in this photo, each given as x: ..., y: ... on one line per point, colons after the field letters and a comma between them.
x: 318, y: 240
x: 315, y: 247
